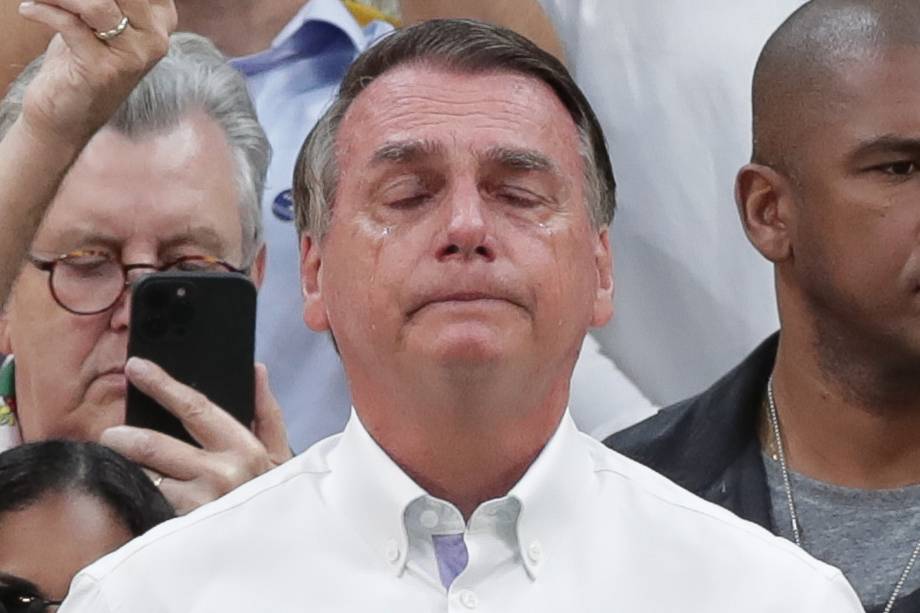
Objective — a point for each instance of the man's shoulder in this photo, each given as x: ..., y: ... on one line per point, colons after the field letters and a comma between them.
x: 693, y: 441
x: 679, y: 522
x: 295, y: 483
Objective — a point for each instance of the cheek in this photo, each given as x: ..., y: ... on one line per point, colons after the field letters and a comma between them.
x: 360, y: 265
x: 52, y: 354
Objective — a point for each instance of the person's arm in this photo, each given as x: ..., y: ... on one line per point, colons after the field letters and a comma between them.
x: 525, y: 17
x: 81, y: 83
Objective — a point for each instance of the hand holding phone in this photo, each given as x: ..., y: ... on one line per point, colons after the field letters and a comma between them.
x: 230, y: 454
x: 210, y: 350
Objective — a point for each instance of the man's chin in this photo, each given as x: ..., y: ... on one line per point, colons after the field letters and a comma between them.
x: 468, y: 350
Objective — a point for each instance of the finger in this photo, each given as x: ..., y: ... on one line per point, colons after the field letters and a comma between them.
x: 211, y: 426
x: 156, y: 451
x: 75, y: 33
x: 185, y: 496
x: 147, y: 15
x: 100, y: 15
x: 268, y: 424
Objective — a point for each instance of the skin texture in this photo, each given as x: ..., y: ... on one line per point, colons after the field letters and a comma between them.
x: 49, y: 541
x: 146, y: 201
x: 843, y: 234
x: 460, y: 272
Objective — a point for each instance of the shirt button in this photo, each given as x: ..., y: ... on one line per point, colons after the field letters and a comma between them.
x: 468, y: 599
x: 429, y: 519
x: 392, y: 551
x: 535, y: 552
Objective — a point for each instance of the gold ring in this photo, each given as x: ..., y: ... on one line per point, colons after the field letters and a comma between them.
x: 110, y: 34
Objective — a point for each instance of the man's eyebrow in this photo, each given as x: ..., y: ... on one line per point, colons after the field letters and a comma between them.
x: 888, y: 143
x: 521, y: 159
x: 18, y: 583
x: 405, y: 152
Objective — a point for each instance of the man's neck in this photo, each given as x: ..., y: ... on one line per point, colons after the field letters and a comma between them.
x: 237, y: 27
x: 466, y: 446
x: 847, y: 418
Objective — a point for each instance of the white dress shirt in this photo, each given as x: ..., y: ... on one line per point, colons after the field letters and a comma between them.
x: 342, y: 528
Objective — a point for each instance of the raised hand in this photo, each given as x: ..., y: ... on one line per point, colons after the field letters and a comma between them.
x: 101, y: 50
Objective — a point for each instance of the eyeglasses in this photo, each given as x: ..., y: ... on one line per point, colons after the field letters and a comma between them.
x: 14, y: 601
x: 88, y: 282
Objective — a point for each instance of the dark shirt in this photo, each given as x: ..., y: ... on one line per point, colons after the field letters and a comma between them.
x: 709, y: 444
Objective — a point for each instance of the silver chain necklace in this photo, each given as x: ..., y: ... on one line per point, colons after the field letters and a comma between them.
x: 781, y: 453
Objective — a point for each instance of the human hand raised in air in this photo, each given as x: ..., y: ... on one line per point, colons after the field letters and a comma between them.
x: 101, y: 50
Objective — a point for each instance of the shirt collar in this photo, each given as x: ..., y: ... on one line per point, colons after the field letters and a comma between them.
x: 547, y: 495
x: 332, y: 12
x: 372, y: 492
x: 298, y: 39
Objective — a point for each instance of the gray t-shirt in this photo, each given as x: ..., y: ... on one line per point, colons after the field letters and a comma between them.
x: 867, y: 534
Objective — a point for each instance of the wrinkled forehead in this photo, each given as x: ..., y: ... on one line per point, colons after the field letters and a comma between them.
x: 458, y: 113
x: 158, y: 187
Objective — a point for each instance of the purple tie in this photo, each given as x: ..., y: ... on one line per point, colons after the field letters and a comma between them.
x: 450, y: 550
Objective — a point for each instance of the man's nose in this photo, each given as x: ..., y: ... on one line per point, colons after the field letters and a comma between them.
x: 468, y: 227
x: 121, y: 311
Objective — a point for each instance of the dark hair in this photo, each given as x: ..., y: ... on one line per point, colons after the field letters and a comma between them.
x: 32, y: 471
x: 464, y: 46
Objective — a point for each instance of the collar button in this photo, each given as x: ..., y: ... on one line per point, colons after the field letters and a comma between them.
x: 535, y: 552
x: 391, y: 551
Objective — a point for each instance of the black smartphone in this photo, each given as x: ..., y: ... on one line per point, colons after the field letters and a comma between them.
x: 200, y: 328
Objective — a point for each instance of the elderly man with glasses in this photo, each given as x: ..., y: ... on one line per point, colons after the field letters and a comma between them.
x: 172, y: 181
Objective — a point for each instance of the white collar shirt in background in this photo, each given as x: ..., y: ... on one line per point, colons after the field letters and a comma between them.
x: 342, y: 528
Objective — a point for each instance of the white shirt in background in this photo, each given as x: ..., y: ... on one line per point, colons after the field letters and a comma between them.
x: 670, y: 81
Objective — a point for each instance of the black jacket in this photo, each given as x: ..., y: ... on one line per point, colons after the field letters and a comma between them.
x: 709, y: 445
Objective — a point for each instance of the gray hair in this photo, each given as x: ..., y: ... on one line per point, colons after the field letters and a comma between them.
x: 464, y: 46
x: 193, y: 76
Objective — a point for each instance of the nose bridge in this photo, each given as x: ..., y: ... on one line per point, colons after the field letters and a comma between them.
x: 121, y: 310
x: 467, y: 225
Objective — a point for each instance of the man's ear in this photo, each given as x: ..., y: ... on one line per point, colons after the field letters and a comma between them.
x: 603, y: 260
x: 765, y: 201
x: 314, y: 308
x: 257, y: 271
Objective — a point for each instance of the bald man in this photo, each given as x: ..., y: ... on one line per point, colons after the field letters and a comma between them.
x: 816, y: 435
